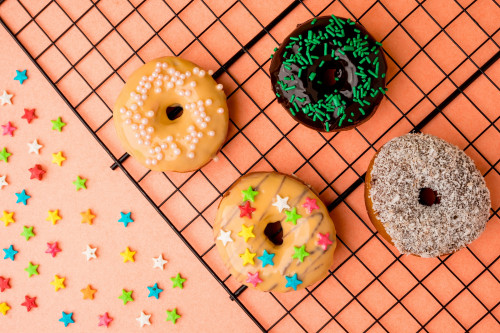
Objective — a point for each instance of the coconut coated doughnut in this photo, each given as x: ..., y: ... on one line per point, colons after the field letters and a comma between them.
x: 150, y: 126
x: 248, y: 239
x: 426, y: 196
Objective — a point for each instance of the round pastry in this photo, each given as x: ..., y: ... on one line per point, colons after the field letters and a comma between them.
x: 171, y: 115
x: 274, y: 233
x: 426, y: 196
x: 329, y: 73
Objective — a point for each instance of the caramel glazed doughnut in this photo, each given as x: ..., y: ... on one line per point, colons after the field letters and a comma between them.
x: 163, y: 140
x: 247, y: 214
x: 426, y: 196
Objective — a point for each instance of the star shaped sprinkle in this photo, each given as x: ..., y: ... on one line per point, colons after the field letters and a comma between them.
x: 126, y: 296
x: 4, y: 283
x: 248, y: 257
x: 246, y: 210
x: 22, y: 197
x: 178, y: 281
x: 125, y: 218
x: 292, y: 281
x: 104, y: 320
x: 253, y: 278
x: 281, y: 203
x: 246, y: 232
x: 29, y: 303
x: 172, y: 315
x: 36, y: 172
x: 143, y: 319
x: 324, y: 240
x: 159, y: 262
x: 128, y: 255
x: 87, y: 216
x: 29, y: 115
x: 154, y: 291
x: 292, y: 216
x: 7, y: 218
x: 225, y: 237
x: 53, y: 249
x: 80, y: 183
x: 310, y: 205
x: 10, y: 253
x: 58, y: 158
x: 3, y: 181
x: 67, y: 318
x: 8, y: 129
x: 5, y: 98
x: 31, y: 269
x: 27, y: 232
x: 34, y: 147
x: 88, y: 292
x: 53, y: 216
x: 58, y: 283
x: 249, y: 194
x: 4, y: 155
x: 21, y: 76
x: 58, y: 124
x: 4, y: 308
x: 90, y: 253
x: 300, y: 253
x: 266, y: 258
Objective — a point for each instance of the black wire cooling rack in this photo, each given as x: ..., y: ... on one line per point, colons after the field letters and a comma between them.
x: 377, y: 299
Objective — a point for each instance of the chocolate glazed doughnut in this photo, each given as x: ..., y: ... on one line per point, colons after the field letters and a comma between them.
x: 329, y: 74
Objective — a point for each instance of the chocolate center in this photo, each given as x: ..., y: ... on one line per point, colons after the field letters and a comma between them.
x: 274, y: 232
x: 428, y: 197
x: 174, y: 111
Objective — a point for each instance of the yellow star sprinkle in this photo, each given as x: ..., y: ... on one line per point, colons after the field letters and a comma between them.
x: 87, y: 216
x: 248, y: 257
x: 53, y: 216
x: 246, y: 232
x: 58, y: 158
x: 128, y: 255
x: 4, y: 308
x: 58, y: 283
x: 7, y: 218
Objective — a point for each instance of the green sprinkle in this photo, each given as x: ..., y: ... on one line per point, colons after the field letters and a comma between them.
x: 312, y: 76
x: 292, y: 111
x: 327, y: 126
x: 271, y: 56
x: 372, y: 73
x: 313, y: 21
x: 325, y: 51
x: 349, y: 120
x: 300, y: 72
x: 294, y: 38
x: 378, y: 43
x: 289, y: 88
x: 321, y: 63
x: 292, y: 98
x: 341, y: 120
x: 383, y: 75
x: 362, y: 111
x: 275, y: 49
x: 382, y: 90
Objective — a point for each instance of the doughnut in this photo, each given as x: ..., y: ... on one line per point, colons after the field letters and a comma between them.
x: 329, y: 74
x: 425, y: 196
x: 171, y: 115
x: 273, y: 233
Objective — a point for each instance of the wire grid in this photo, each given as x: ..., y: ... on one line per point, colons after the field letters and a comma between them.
x: 87, y: 50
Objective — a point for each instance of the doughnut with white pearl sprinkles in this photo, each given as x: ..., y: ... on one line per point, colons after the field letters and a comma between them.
x: 171, y: 115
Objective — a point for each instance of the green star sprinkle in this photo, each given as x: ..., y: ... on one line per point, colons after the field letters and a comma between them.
x: 249, y: 194
x: 300, y: 253
x: 172, y: 315
x: 4, y: 155
x: 126, y: 296
x: 28, y: 232
x: 31, y: 269
x: 80, y: 183
x: 292, y: 216
x: 58, y: 124
x: 178, y: 281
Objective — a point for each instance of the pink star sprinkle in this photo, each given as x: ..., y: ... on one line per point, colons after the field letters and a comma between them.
x: 253, y: 278
x: 324, y: 240
x: 52, y: 249
x: 104, y: 320
x: 8, y: 129
x: 310, y: 205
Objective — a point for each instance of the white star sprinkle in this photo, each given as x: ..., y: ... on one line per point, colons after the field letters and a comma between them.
x: 5, y: 98
x: 225, y: 237
x: 159, y: 262
x: 143, y: 319
x: 3, y: 182
x: 34, y: 147
x: 90, y: 253
x: 281, y: 203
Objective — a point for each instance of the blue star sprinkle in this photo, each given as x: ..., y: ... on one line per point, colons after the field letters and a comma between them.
x: 10, y: 253
x: 21, y: 76
x: 67, y: 318
x: 125, y: 218
x: 154, y: 291
x: 266, y: 258
x: 292, y: 281
x: 22, y: 197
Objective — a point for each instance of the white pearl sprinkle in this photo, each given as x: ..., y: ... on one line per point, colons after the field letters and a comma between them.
x: 144, y: 97
x: 164, y: 146
x: 173, y: 145
x: 140, y: 141
x: 171, y: 71
x: 140, y: 103
x: 220, y: 110
x: 143, y: 132
x: 192, y: 147
x: 199, y: 120
x: 196, y: 113
x: 170, y: 85
x: 169, y: 138
x: 158, y: 64
x: 144, y: 78
x: 182, y: 76
x: 158, y: 83
x: 190, y: 155
x: 203, y: 114
x: 177, y: 152
x: 141, y: 126
x: 148, y: 137
x: 147, y: 85
x: 200, y: 103
x: 134, y: 127
x: 159, y: 157
x: 164, y: 65
x: 144, y: 121
x: 128, y: 121
x: 203, y: 125
x: 147, y: 143
x: 188, y: 74
x: 187, y: 137
x: 211, y: 133
x: 150, y: 113
x: 208, y: 102
x: 151, y: 151
x: 153, y: 162
x: 137, y: 135
x: 196, y: 70
x: 128, y: 114
x: 123, y: 110
x: 132, y: 94
x: 148, y: 161
x: 144, y: 91
x: 160, y: 76
x: 195, y: 140
x: 207, y: 119
x: 150, y: 130
x: 157, y: 90
x: 201, y: 73
x: 200, y: 135
x: 179, y: 82
x: 157, y: 149
x: 155, y: 74
x: 180, y: 93
x: 133, y: 107
x: 186, y: 107
x: 210, y: 72
x: 177, y: 73
x: 151, y: 78
x: 190, y: 128
x: 187, y: 93
x: 193, y: 84
x: 137, y: 117
x: 219, y: 86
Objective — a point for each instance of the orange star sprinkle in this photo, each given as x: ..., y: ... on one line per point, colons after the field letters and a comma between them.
x: 87, y: 216
x: 88, y: 292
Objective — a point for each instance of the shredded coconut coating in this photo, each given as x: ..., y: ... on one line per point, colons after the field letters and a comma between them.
x: 411, y: 162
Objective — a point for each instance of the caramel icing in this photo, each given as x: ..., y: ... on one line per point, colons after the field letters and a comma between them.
x: 306, y: 232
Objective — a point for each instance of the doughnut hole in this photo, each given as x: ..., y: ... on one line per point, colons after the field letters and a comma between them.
x: 174, y: 111
x: 428, y: 197
x: 274, y: 232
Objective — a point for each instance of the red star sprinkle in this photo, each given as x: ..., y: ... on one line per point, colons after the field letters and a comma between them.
x: 253, y: 278
x: 4, y: 283
x: 104, y: 320
x: 246, y: 210
x: 324, y: 240
x: 30, y: 303
x: 8, y: 129
x: 310, y: 205
x: 37, y: 172
x: 29, y: 115
x: 53, y: 249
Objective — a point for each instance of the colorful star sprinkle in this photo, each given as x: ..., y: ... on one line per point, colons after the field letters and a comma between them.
x: 104, y: 320
x: 143, y: 319
x: 88, y: 292
x: 126, y: 218
x: 80, y: 183
x: 246, y: 232
x: 310, y: 205
x: 253, y: 278
x: 21, y: 76
x: 7, y: 218
x: 324, y: 240
x: 3, y: 181
x: 249, y: 194
x: 27, y: 232
x: 4, y: 308
x: 246, y: 210
x: 155, y: 291
x: 300, y: 253
x: 4, y: 155
x: 225, y: 237
x: 172, y: 315
x: 58, y: 124
x: 87, y: 216
x: 128, y: 255
x: 159, y: 262
x: 5, y: 98
x: 292, y: 216
x: 53, y: 249
x: 292, y: 281
x: 31, y: 269
x: 29, y: 303
x: 67, y: 318
x: 10, y: 253
x: 266, y: 258
x: 29, y: 115
x: 58, y: 158
x: 90, y: 253
x: 53, y: 216
x: 22, y: 197
x: 8, y: 129
x: 281, y: 203
x: 126, y: 296
x: 178, y: 281
x: 4, y: 283
x: 36, y: 172
x: 34, y: 147
x: 248, y: 257
x: 58, y: 283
